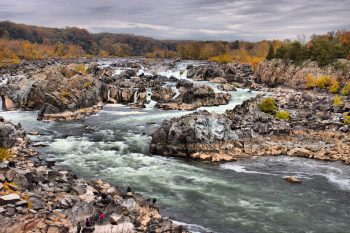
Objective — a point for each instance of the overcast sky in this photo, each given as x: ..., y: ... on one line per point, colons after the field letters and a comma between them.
x: 186, y: 19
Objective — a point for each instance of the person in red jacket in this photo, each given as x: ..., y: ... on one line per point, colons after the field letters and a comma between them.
x: 102, y: 218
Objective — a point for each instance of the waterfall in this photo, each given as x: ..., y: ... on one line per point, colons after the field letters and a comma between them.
x: 1, y: 104
x: 150, y: 103
x: 108, y: 95
x: 136, y: 96
x: 176, y: 91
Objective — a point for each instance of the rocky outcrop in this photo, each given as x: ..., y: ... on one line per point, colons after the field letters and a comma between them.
x: 10, y: 134
x: 36, y: 197
x: 55, y: 90
x: 190, y: 97
x: 277, y: 73
x: 232, y: 73
x: 315, y: 130
x: 73, y: 91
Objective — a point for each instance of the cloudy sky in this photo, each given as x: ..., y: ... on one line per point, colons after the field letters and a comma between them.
x: 186, y: 19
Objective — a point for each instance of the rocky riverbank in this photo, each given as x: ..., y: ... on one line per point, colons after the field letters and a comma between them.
x: 315, y: 129
x: 35, y: 196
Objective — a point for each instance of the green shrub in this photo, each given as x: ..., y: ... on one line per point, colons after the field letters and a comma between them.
x: 268, y: 105
x: 346, y: 89
x: 337, y: 101
x: 283, y: 115
x: 5, y: 154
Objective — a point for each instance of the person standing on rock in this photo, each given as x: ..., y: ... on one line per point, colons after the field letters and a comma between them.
x: 88, y: 223
x: 79, y: 227
x: 102, y: 218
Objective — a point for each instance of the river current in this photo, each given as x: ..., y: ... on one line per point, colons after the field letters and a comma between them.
x: 247, y: 196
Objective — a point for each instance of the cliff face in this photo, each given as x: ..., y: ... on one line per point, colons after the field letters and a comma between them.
x: 277, y: 73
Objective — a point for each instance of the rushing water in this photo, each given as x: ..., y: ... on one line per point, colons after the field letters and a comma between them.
x: 245, y: 196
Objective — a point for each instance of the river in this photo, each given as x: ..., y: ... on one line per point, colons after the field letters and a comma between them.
x: 239, y: 197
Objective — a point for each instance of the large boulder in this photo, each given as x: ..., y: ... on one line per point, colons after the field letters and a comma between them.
x: 10, y: 133
x: 191, y: 133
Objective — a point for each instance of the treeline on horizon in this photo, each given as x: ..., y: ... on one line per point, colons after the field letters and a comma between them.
x: 19, y: 41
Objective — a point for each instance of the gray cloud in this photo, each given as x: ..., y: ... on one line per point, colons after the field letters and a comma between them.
x: 186, y: 19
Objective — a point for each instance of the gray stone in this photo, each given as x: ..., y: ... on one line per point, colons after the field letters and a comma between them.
x: 9, y: 199
x: 21, y: 203
x: 37, y: 204
x: 10, y: 211
x: 10, y: 175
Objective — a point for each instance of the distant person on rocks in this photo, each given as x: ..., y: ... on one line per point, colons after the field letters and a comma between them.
x: 11, y: 164
x: 79, y: 227
x: 88, y: 223
x: 128, y: 190
x: 154, y: 200
x: 101, y: 218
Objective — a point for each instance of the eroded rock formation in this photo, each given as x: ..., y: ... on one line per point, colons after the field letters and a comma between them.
x: 315, y: 130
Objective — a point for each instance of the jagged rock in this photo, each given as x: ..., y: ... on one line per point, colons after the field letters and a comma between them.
x: 22, y: 203
x: 10, y: 211
x: 233, y: 72
x: 218, y: 80
x: 130, y: 204
x: 10, y: 175
x: 292, y: 179
x: 9, y: 199
x: 227, y: 87
x: 37, y: 204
